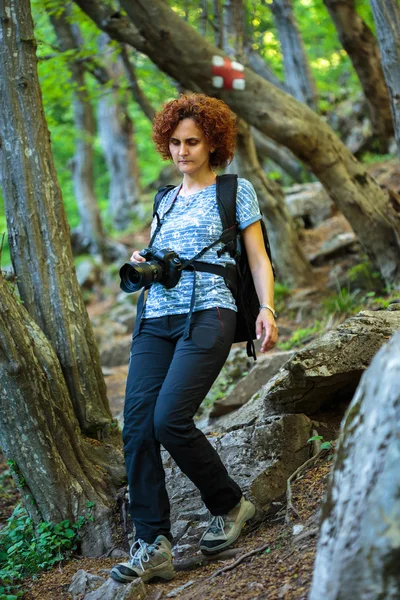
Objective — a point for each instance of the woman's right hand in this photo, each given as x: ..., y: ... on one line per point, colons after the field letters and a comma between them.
x: 136, y: 257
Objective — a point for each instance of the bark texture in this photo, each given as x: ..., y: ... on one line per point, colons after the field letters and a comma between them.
x: 288, y: 257
x: 298, y: 76
x: 90, y: 227
x: 37, y: 226
x: 387, y: 20
x: 373, y: 213
x: 54, y: 465
x: 358, y: 547
x: 118, y: 143
x: 361, y: 46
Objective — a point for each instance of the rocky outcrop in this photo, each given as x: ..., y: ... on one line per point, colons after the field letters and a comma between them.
x: 260, y: 457
x: 309, y: 202
x: 265, y: 368
x: 359, y: 545
x: 329, y: 368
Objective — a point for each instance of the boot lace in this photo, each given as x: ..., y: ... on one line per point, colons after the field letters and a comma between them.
x: 142, y: 553
x: 217, y: 526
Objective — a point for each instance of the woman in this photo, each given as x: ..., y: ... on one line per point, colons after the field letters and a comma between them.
x: 170, y: 373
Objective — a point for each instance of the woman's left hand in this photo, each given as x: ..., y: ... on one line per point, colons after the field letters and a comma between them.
x: 266, y: 322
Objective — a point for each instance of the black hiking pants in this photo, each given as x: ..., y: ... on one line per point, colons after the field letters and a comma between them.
x: 168, y: 378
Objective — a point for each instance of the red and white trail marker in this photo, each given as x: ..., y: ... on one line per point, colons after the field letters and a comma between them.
x: 227, y: 74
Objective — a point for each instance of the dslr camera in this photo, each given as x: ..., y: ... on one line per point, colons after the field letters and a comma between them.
x: 161, y: 266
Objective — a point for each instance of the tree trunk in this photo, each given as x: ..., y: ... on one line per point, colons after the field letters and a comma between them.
x: 387, y: 20
x: 137, y: 92
x: 298, y: 76
x: 90, y: 227
x: 218, y: 24
x: 57, y: 470
x: 37, y: 226
x: 374, y: 213
x: 289, y: 259
x: 118, y: 143
x: 280, y: 155
x: 361, y: 46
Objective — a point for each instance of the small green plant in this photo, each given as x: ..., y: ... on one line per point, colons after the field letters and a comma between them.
x: 365, y: 277
x: 324, y: 445
x: 301, y: 337
x: 26, y: 550
x: 345, y: 302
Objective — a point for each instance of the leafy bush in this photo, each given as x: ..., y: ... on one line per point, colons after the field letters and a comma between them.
x: 25, y: 550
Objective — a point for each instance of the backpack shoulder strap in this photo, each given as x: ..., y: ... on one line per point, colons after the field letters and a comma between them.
x: 160, y: 195
x: 226, y: 199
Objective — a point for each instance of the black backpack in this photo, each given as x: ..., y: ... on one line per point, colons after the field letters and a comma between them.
x: 239, y: 279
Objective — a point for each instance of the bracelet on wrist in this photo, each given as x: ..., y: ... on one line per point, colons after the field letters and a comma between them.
x: 269, y: 308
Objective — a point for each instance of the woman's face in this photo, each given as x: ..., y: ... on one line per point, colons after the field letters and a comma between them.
x: 189, y: 148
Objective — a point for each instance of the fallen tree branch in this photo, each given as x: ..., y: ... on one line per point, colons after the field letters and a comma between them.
x: 199, y: 561
x: 238, y: 561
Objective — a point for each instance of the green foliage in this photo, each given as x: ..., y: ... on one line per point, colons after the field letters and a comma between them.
x: 324, y: 445
x: 301, y: 336
x: 365, y: 277
x: 345, y: 302
x: 281, y: 293
x: 26, y: 550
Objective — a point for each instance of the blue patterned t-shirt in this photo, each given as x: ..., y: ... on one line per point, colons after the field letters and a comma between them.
x: 192, y: 224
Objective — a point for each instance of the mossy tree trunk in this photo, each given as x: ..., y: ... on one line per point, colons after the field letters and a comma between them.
x: 177, y: 49
x: 58, y: 470
x: 37, y: 226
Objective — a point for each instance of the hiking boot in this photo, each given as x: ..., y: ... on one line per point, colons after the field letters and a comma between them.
x: 224, y: 530
x: 147, y: 561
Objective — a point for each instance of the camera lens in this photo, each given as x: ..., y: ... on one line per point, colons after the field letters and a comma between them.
x: 134, y: 276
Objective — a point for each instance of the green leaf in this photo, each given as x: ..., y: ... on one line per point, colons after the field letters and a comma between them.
x: 314, y: 438
x: 326, y: 446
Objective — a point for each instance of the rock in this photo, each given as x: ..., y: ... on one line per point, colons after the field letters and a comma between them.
x: 111, y: 590
x: 115, y: 379
x: 359, y: 543
x: 329, y: 369
x: 309, y: 202
x: 88, y: 272
x: 82, y: 582
x: 125, y: 314
x: 116, y: 351
x: 335, y: 247
x: 259, y: 457
x: 245, y: 416
x: 265, y: 367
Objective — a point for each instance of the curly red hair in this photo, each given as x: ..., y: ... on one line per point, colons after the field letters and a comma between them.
x: 214, y: 118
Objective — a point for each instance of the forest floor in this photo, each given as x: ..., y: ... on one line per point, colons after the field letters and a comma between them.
x: 281, y: 570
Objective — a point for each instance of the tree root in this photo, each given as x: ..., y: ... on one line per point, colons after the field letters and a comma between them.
x: 289, y: 504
